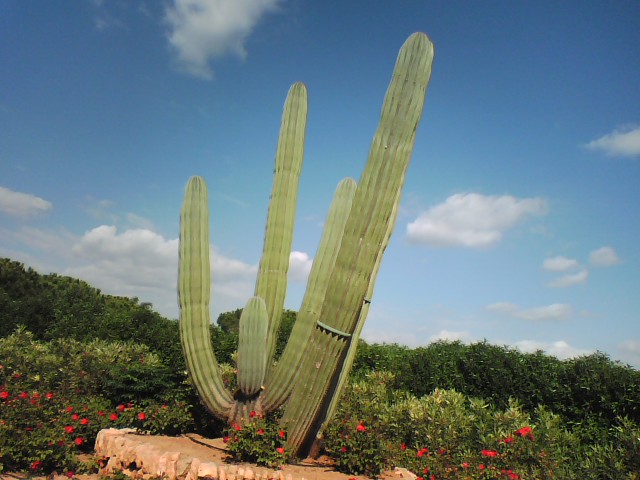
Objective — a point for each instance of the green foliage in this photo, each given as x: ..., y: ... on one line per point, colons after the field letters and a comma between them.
x: 226, y: 339
x: 586, y: 389
x: 53, y: 306
x: 51, y: 405
x: 124, y: 371
x: 260, y: 441
x: 450, y: 435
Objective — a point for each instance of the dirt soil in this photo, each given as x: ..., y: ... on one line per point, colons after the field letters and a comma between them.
x: 214, y: 450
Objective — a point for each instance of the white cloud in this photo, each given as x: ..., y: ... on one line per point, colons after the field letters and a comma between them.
x: 570, y: 279
x: 23, y: 205
x: 201, y: 30
x: 472, y: 220
x: 450, y: 336
x: 604, y: 257
x: 623, y: 142
x: 144, y: 264
x: 630, y: 352
x: 560, y: 348
x: 299, y: 266
x: 135, y: 263
x: 553, y: 312
x: 559, y: 264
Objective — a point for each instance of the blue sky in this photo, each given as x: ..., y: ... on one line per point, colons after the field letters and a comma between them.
x: 519, y: 220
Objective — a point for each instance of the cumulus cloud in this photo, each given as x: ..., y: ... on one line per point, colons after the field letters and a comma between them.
x: 202, y: 30
x: 22, y: 205
x: 553, y: 312
x: 623, y: 142
x: 144, y: 264
x: 560, y: 348
x: 299, y: 266
x: 472, y: 220
x: 570, y: 279
x: 559, y: 264
x: 450, y: 336
x: 604, y: 257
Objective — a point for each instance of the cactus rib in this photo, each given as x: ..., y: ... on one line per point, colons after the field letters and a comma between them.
x: 371, y: 216
x: 271, y: 283
x: 194, y: 289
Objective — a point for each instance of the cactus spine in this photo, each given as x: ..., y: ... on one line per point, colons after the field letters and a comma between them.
x: 312, y: 370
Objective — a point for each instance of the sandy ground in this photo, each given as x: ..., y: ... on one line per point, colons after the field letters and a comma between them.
x: 213, y: 450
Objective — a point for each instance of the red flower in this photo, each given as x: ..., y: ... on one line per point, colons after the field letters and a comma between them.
x: 4, y: 395
x: 252, y: 414
x: 236, y: 427
x: 79, y: 441
x: 260, y: 431
x: 70, y: 474
x: 422, y: 451
x: 280, y: 450
x: 35, y: 395
x: 75, y: 416
x: 465, y: 464
x: 24, y: 395
x: 69, y: 429
x: 344, y: 449
x: 84, y: 421
x: 489, y: 453
x: 69, y: 409
x: 121, y: 408
x: 361, y: 428
x: 442, y: 451
x: 508, y: 440
x: 37, y: 465
x: 282, y: 434
x: 113, y: 416
x: 100, y: 413
x: 481, y: 466
x: 49, y: 396
x: 142, y: 416
x: 225, y: 439
x: 524, y: 431
x: 403, y: 447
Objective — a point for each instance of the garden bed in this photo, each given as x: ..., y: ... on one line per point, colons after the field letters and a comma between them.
x: 192, y: 456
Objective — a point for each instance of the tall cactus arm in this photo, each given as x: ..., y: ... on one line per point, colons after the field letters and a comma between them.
x: 194, y: 290
x: 281, y: 378
x: 252, y: 354
x: 271, y: 283
x: 336, y: 390
x: 371, y: 215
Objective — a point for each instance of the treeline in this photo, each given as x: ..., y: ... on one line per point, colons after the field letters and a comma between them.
x: 589, y: 389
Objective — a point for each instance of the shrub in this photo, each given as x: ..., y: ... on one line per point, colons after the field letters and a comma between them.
x: 51, y: 408
x: 260, y: 441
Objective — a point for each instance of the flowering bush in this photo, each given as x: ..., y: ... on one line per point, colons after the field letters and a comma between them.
x: 357, y: 449
x: 260, y: 441
x: 50, y: 412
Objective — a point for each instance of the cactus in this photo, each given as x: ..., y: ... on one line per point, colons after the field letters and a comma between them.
x: 316, y: 361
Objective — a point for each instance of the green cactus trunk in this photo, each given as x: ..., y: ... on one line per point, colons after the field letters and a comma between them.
x: 283, y: 375
x: 252, y: 356
x: 372, y: 215
x: 271, y: 284
x: 313, y: 369
x: 194, y: 290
